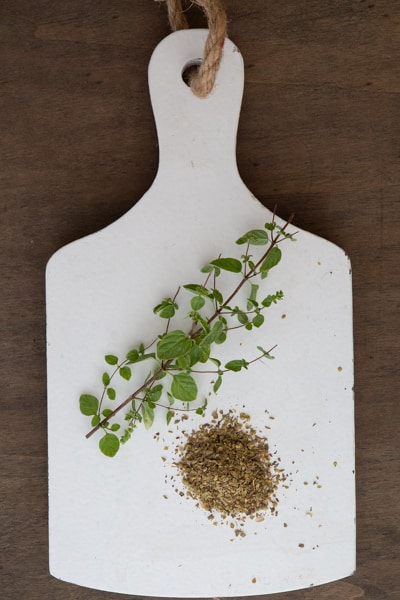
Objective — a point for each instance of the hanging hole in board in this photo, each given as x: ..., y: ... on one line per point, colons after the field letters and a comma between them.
x: 190, y: 69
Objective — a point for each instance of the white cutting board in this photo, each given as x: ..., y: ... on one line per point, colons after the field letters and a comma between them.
x: 110, y: 525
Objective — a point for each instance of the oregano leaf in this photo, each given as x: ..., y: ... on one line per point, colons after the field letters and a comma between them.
x: 173, y: 344
x: 109, y: 444
x: 88, y: 404
x: 197, y: 302
x: 184, y: 387
x: 95, y: 421
x: 255, y: 237
x: 272, y: 259
x: 111, y: 359
x: 132, y: 355
x: 148, y: 415
x: 235, y: 365
x: 217, y: 384
x: 228, y: 264
x: 125, y: 373
x: 111, y: 393
x: 258, y: 320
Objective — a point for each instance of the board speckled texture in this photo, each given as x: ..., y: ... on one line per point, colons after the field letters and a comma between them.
x: 318, y: 135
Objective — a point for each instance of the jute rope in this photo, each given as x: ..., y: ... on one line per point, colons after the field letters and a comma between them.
x: 202, y: 82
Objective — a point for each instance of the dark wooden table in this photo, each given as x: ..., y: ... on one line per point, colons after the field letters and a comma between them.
x: 319, y: 135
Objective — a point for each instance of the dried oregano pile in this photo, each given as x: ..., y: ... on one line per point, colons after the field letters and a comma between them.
x: 227, y: 467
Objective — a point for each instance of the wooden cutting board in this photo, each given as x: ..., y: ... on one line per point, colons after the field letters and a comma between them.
x: 117, y: 524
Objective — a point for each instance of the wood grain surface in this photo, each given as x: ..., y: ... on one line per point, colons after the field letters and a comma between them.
x: 319, y: 135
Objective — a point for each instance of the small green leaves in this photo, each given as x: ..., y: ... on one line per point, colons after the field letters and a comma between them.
x: 125, y: 373
x: 184, y: 387
x: 258, y: 320
x: 252, y: 300
x: 148, y: 415
x: 111, y: 359
x: 227, y: 264
x: 272, y: 299
x: 109, y: 444
x: 173, y: 344
x: 176, y: 356
x: 272, y: 259
x: 265, y: 353
x: 111, y: 393
x: 255, y: 237
x: 195, y: 288
x: 167, y: 308
x: 236, y: 365
x: 133, y: 355
x: 217, y: 384
x: 88, y: 404
x: 197, y: 302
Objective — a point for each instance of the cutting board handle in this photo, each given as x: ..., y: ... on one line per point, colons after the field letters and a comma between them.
x: 195, y: 132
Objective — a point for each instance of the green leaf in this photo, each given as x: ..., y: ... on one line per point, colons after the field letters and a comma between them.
x: 88, y: 404
x: 272, y: 259
x: 142, y: 357
x: 167, y: 308
x: 221, y: 338
x: 96, y: 420
x: 125, y: 373
x: 182, y: 363
x: 235, y: 365
x: 265, y: 353
x: 156, y: 392
x: 106, y: 412
x: 255, y: 237
x: 105, y: 379
x: 111, y: 393
x: 242, y: 317
x: 169, y: 416
x: 167, y: 312
x: 252, y: 300
x: 213, y: 334
x: 200, y: 410
x: 270, y: 226
x: 111, y: 359
x: 216, y: 361
x: 272, y: 299
x: 184, y: 387
x: 132, y: 355
x: 148, y: 415
x: 109, y: 444
x: 197, y: 302
x: 228, y: 264
x: 115, y: 427
x: 195, y: 288
x: 217, y: 384
x: 173, y: 344
x: 196, y: 354
x: 218, y: 296
x: 258, y: 320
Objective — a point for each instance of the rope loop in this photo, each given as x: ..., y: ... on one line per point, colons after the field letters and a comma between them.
x: 202, y: 81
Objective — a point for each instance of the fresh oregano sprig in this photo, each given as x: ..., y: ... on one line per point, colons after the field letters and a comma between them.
x: 176, y: 358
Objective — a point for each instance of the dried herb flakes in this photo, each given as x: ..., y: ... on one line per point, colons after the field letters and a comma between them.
x: 227, y: 467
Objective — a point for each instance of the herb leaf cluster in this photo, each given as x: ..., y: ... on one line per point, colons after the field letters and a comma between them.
x: 176, y: 358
